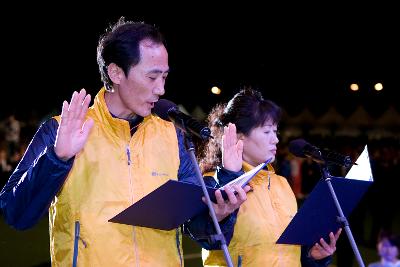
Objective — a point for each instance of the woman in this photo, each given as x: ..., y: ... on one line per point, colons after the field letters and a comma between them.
x: 251, y: 122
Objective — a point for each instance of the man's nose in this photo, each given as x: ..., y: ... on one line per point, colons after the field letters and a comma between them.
x: 160, y: 88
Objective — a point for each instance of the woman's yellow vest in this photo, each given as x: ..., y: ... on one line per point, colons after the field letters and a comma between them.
x: 261, y: 220
x: 113, y: 171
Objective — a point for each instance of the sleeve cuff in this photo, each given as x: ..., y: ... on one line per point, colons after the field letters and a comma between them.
x: 51, y: 154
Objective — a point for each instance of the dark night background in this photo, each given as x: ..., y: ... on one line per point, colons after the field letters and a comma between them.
x: 298, y: 58
x: 302, y: 56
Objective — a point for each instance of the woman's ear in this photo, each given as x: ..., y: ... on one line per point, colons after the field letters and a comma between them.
x: 115, y: 73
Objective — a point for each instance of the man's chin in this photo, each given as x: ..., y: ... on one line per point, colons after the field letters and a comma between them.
x: 144, y: 113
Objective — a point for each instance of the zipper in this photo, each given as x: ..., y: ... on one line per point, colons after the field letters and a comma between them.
x: 128, y: 154
x: 76, y: 243
x: 240, y: 259
x: 178, y: 245
x: 129, y: 162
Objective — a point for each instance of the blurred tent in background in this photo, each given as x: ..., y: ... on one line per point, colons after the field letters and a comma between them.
x: 332, y: 123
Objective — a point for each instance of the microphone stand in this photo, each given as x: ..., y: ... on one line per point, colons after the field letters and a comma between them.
x: 341, y: 218
x: 219, y: 236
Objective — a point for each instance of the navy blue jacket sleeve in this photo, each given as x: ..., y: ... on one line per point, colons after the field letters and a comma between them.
x: 36, y: 180
x: 307, y: 261
x: 201, y: 228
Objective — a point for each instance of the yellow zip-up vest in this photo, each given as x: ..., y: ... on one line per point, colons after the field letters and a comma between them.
x: 113, y: 171
x: 261, y: 220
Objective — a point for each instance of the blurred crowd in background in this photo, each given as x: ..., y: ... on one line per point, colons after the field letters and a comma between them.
x: 376, y: 212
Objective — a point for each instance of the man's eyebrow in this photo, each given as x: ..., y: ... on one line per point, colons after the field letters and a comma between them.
x: 157, y: 71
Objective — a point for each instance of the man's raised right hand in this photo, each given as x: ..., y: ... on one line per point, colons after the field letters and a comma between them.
x: 73, y: 129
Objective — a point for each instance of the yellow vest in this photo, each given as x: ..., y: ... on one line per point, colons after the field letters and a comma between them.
x: 261, y: 220
x: 113, y: 171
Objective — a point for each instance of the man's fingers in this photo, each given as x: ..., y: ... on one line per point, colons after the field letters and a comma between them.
x: 73, y: 101
x: 81, y: 96
x: 64, y: 113
x: 80, y: 104
x: 241, y: 194
x: 84, y: 108
x: 332, y: 239
x: 247, y: 188
x: 323, y: 243
x: 328, y: 248
x: 219, y: 198
x: 338, y: 233
x: 231, y: 195
x: 72, y: 109
x: 76, y: 103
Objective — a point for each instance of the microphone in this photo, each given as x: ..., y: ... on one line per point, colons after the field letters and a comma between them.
x: 301, y: 148
x: 169, y: 111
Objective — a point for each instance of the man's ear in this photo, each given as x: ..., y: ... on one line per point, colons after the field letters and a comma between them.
x: 115, y: 73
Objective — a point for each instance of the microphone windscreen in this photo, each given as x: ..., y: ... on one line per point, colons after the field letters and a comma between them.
x: 297, y: 146
x: 161, y: 108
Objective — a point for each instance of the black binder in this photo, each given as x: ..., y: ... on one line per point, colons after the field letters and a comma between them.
x: 173, y: 203
x: 165, y: 208
x: 317, y: 217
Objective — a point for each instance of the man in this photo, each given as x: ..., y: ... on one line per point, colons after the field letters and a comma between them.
x: 89, y: 164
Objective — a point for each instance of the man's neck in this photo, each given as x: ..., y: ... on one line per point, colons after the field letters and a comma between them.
x: 114, y: 105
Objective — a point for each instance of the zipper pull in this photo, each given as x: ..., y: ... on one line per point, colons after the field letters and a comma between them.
x: 128, y: 153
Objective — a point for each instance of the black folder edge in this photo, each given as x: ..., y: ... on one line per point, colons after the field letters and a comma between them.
x: 317, y: 217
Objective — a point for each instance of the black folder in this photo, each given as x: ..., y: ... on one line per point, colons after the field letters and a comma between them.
x: 318, y: 215
x: 167, y: 207
x: 174, y: 202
